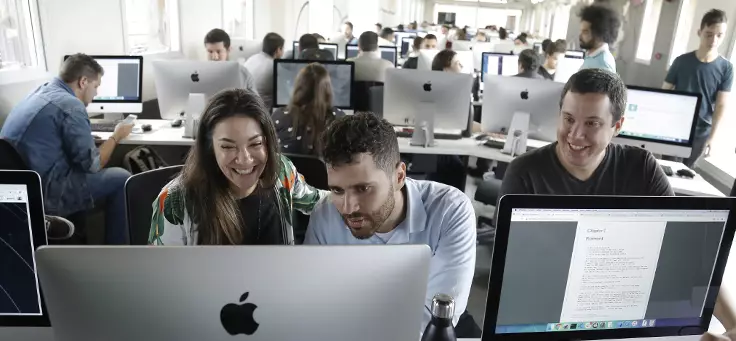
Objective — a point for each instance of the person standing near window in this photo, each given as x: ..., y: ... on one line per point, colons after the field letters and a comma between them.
x: 598, y: 29
x: 705, y: 72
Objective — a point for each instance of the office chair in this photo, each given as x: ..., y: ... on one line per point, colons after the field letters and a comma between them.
x: 375, y: 99
x: 314, y: 172
x: 140, y: 192
x: 10, y: 159
x: 362, y: 94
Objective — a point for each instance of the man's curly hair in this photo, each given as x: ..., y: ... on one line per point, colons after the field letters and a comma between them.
x: 357, y: 134
x: 604, y: 22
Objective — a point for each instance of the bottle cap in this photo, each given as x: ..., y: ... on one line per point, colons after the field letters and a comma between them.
x: 443, y: 306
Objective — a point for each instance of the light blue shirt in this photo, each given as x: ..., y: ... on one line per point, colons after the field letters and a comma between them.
x: 600, y: 59
x: 436, y: 215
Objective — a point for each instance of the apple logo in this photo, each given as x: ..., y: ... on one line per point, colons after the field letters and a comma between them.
x: 525, y: 94
x: 238, y: 318
x: 427, y: 86
x: 195, y: 77
x: 240, y: 48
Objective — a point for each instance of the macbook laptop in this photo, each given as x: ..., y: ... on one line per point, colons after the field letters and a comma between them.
x: 22, y: 230
x: 591, y: 267
x: 257, y: 293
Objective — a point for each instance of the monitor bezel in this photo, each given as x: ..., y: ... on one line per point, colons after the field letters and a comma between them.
x: 276, y: 62
x: 140, y: 78
x: 694, y: 124
x: 509, y: 202
x: 483, y: 61
x: 32, y: 181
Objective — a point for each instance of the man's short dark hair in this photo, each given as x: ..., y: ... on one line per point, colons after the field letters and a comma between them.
x: 318, y: 36
x: 361, y: 133
x: 443, y: 60
x: 521, y: 38
x: 713, y: 17
x: 599, y: 81
x: 502, y: 33
x: 349, y: 24
x: 546, y: 43
x: 387, y: 33
x: 80, y: 65
x: 604, y: 22
x: 529, y: 60
x: 559, y: 46
x: 217, y: 36
x: 368, y: 41
x: 430, y: 37
x: 271, y: 43
x: 308, y: 41
x: 380, y: 27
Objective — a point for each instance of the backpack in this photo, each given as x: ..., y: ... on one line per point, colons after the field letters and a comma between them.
x: 142, y: 159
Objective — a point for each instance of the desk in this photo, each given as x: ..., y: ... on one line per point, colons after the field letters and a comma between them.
x: 162, y: 134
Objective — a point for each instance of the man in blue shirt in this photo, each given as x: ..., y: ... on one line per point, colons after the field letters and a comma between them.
x: 373, y: 202
x: 599, y: 27
x: 51, y: 130
x: 705, y: 72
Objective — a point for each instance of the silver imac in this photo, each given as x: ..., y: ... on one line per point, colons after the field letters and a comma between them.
x: 499, y: 64
x: 660, y: 121
x: 566, y: 67
x: 425, y: 59
x: 406, y: 92
x: 466, y: 60
x: 503, y: 96
x: 242, y: 49
x: 176, y: 79
x: 342, y: 75
x: 121, y: 88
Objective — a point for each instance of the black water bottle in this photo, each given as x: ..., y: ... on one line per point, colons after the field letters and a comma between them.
x: 440, y: 328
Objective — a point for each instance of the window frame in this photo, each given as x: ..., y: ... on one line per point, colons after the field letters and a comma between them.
x: 32, y: 41
x: 250, y: 18
x: 651, y: 17
x: 172, y: 15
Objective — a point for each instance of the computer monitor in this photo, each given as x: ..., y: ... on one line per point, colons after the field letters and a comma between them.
x: 504, y: 96
x: 387, y: 52
x: 566, y: 67
x: 424, y: 61
x: 478, y: 49
x: 575, y: 54
x: 23, y: 231
x: 462, y: 45
x: 612, y: 267
x: 120, y: 90
x: 660, y: 121
x: 242, y: 49
x: 538, y: 48
x: 504, y: 47
x: 322, y: 46
x: 504, y: 64
x: 342, y: 75
x: 466, y: 60
x: 408, y: 91
x: 406, y: 46
x: 399, y: 36
x: 176, y: 79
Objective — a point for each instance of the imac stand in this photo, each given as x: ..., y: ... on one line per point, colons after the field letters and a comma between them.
x: 424, y: 126
x: 195, y: 107
x: 517, y: 134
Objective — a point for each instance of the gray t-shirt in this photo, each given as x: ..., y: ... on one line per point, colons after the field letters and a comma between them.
x: 624, y: 170
x: 688, y: 73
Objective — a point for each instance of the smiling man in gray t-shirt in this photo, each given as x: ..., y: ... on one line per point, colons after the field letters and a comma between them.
x: 583, y: 161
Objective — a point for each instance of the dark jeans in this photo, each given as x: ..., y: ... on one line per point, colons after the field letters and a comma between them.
x: 702, y: 133
x: 109, y: 184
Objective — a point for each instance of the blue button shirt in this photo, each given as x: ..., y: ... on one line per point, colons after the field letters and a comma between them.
x: 600, y: 59
x: 436, y: 215
x: 51, y: 130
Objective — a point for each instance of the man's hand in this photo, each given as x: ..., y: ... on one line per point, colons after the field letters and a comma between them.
x: 122, y: 131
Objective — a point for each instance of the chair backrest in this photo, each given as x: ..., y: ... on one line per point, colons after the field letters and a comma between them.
x: 375, y: 97
x: 140, y: 192
x: 10, y: 159
x: 361, y: 94
x: 311, y: 168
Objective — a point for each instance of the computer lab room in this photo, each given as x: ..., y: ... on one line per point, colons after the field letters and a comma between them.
x: 330, y: 170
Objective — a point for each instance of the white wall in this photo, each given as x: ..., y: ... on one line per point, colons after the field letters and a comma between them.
x: 702, y: 6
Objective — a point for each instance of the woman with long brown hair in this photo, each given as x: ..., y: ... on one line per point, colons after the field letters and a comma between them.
x: 310, y: 111
x: 235, y: 188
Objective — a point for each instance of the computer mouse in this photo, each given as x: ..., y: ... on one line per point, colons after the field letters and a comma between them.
x: 481, y: 137
x: 176, y: 123
x: 146, y: 127
x: 686, y: 173
x: 96, y: 137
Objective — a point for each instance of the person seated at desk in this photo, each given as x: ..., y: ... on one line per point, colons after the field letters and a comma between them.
x: 412, y: 62
x: 583, y: 161
x: 309, y: 49
x: 50, y: 129
x: 347, y: 36
x: 299, y: 126
x: 546, y: 43
x: 552, y: 54
x: 235, y: 188
x: 379, y: 28
x: 369, y: 66
x: 481, y: 37
x: 529, y: 65
x: 373, y: 202
x: 320, y: 38
x: 520, y: 40
x: 503, y: 34
x: 217, y: 44
x: 261, y: 65
x: 387, y: 37
x: 447, y: 61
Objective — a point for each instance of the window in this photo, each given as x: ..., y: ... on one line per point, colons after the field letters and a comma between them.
x: 649, y: 24
x: 20, y: 38
x: 480, y: 16
x: 238, y: 19
x: 151, y: 26
x: 683, y: 30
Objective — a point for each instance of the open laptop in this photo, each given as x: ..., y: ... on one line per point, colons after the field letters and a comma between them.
x: 22, y: 230
x: 592, y: 267
x: 255, y: 293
